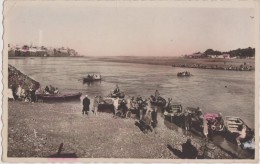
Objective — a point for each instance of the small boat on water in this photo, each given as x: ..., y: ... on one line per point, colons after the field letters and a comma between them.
x: 91, y: 78
x: 183, y: 74
x: 118, y: 94
x: 59, y: 97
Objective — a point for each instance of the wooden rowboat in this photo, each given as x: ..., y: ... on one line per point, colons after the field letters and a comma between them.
x: 59, y: 97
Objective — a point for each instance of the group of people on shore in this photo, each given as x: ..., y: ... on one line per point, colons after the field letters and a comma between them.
x: 20, y: 93
x: 29, y: 94
x: 189, y: 151
x: 146, y: 112
x: 86, y: 105
x: 129, y: 103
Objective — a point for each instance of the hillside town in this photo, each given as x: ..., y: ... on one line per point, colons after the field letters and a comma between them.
x: 39, y: 51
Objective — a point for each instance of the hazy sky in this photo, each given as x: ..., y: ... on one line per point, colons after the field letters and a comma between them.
x: 115, y: 30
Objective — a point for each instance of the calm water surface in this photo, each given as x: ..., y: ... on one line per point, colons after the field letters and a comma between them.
x: 205, y: 89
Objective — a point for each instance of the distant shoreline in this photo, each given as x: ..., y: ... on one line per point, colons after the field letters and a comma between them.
x: 202, y: 63
x: 207, y: 63
x: 25, y: 57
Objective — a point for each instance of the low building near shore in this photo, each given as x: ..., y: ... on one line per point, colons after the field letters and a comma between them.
x: 29, y: 51
x: 223, y: 56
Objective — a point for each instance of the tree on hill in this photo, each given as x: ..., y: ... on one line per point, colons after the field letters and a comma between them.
x: 242, y: 53
x: 212, y: 52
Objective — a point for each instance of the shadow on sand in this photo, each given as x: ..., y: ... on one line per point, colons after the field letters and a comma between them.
x: 63, y: 155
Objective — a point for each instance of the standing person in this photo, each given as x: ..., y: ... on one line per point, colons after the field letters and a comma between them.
x: 241, y: 134
x: 86, y: 103
x: 115, y: 104
x: 95, y: 105
x: 205, y: 128
x: 19, y: 91
x: 116, y: 90
x: 156, y: 94
x: 33, y: 95
x: 14, y: 92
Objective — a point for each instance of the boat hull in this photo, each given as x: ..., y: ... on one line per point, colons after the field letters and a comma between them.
x: 59, y: 97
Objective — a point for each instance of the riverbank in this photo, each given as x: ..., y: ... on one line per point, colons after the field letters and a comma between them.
x: 39, y: 129
x: 222, y: 64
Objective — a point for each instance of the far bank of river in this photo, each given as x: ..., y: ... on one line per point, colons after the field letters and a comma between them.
x: 220, y: 64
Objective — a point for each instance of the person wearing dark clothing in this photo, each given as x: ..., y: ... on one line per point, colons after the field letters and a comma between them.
x: 86, y: 103
x: 187, y: 121
x: 14, y: 90
x: 154, y: 118
x: 47, y: 90
x: 33, y: 95
x: 116, y: 90
x: 156, y: 94
x: 189, y: 151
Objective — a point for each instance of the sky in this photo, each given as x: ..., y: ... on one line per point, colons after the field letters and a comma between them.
x: 115, y: 30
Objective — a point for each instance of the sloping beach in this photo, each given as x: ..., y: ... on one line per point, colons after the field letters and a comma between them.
x: 38, y: 130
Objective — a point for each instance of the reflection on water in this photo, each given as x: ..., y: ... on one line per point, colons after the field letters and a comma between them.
x: 92, y: 83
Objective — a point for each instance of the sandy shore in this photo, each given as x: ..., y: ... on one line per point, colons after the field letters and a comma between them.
x: 37, y: 130
x: 177, y: 61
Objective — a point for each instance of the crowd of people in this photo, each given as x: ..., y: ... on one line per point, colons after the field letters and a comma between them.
x: 29, y: 94
x: 147, y: 116
x: 20, y: 93
x: 147, y: 113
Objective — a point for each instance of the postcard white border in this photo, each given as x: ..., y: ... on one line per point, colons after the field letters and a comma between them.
x: 145, y: 3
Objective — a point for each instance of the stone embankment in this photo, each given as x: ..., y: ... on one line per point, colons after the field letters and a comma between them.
x: 16, y: 78
x: 230, y: 67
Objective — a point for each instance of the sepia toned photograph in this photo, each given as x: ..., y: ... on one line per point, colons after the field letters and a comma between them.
x: 142, y: 81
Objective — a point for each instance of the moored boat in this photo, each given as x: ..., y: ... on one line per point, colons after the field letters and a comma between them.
x: 193, y: 118
x: 236, y: 127
x: 59, y: 97
x: 213, y: 122
x: 173, y: 110
x: 157, y: 102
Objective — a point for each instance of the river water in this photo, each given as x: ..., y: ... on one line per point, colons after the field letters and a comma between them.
x: 228, y: 92
x: 205, y: 89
